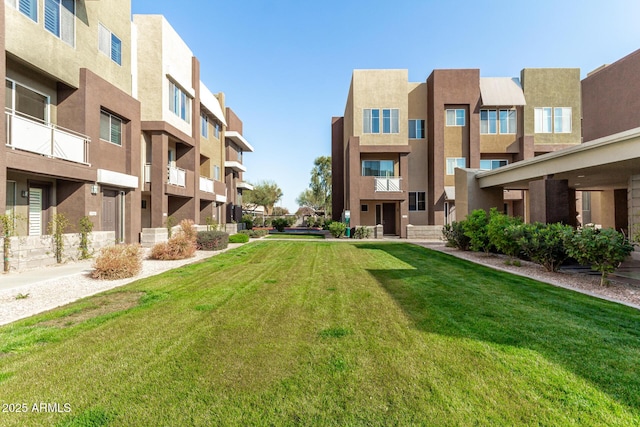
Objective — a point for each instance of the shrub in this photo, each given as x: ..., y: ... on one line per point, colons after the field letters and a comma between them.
x: 118, y: 262
x: 327, y: 224
x: 86, y: 227
x: 169, y: 223
x: 248, y: 221
x: 254, y: 233
x: 337, y: 229
x: 454, y: 235
x: 544, y: 243
x: 212, y: 240
x: 279, y: 224
x: 475, y: 227
x: 362, y: 233
x: 239, y: 238
x: 57, y: 226
x: 603, y: 250
x: 503, y: 232
x: 258, y: 221
x: 180, y: 246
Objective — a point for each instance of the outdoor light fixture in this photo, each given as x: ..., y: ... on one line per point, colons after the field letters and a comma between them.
x: 24, y: 193
x: 95, y: 189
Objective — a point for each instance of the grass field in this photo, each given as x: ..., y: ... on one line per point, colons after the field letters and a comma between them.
x: 296, y: 236
x: 322, y: 333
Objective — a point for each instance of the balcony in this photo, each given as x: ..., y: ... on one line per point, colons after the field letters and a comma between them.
x: 206, y: 185
x: 177, y: 176
x: 243, y: 185
x: 47, y: 139
x: 387, y: 184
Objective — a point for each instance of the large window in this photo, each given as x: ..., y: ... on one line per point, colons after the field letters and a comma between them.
x: 179, y: 102
x: 59, y: 19
x: 416, y: 129
x: 26, y: 102
x: 456, y: 117
x: 380, y: 168
x: 562, y: 120
x: 417, y: 201
x: 204, y: 125
x: 455, y: 162
x: 488, y: 121
x: 542, y: 119
x: 371, y: 120
x: 489, y: 164
x: 508, y: 121
x: 109, y: 44
x: 110, y: 128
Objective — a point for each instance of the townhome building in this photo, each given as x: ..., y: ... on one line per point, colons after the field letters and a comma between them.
x: 235, y: 146
x: 71, y: 129
x: 395, y: 150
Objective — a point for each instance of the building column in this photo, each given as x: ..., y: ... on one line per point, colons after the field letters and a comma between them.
x: 551, y: 201
x: 404, y: 204
x: 469, y: 195
x: 159, y: 161
x: 633, y: 206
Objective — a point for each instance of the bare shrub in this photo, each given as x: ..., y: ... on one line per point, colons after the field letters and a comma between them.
x: 118, y: 262
x: 180, y: 246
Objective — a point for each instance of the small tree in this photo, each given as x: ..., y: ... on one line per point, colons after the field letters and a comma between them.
x: 57, y: 226
x: 86, y: 227
x: 475, y: 227
x: 279, y: 224
x: 603, y: 250
x: 8, y: 229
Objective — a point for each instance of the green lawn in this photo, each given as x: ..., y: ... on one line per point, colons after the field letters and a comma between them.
x: 325, y: 333
x: 298, y: 236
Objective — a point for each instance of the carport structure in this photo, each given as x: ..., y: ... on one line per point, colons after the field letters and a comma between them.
x: 609, y: 164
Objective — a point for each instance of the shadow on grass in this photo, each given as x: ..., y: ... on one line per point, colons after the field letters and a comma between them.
x: 595, y: 339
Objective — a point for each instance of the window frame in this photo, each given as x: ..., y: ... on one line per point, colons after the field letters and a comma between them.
x: 564, y: 120
x: 373, y: 118
x: 204, y: 125
x: 12, y: 108
x: 486, y: 122
x: 419, y: 201
x: 393, y: 166
x: 364, y: 207
x: 418, y: 126
x: 542, y: 116
x: 62, y: 14
x: 506, y: 162
x: 112, y: 37
x: 508, y: 121
x: 459, y: 120
x: 111, y: 118
x: 30, y: 10
x: 179, y: 102
x: 453, y: 162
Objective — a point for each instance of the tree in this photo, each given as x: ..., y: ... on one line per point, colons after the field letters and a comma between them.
x: 280, y: 211
x: 265, y: 193
x: 318, y: 195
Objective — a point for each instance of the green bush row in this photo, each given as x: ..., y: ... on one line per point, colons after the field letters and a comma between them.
x: 255, y: 233
x: 546, y: 244
x: 212, y: 240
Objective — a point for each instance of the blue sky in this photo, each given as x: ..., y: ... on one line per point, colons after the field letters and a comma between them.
x: 285, y: 66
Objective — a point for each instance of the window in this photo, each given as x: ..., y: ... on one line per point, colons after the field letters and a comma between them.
x: 379, y: 168
x: 204, y: 125
x: 417, y: 201
x: 371, y: 120
x: 507, y: 121
x: 109, y: 44
x: 110, y: 128
x: 216, y: 172
x: 542, y: 119
x: 487, y: 165
x: 456, y: 117
x: 562, y: 120
x: 27, y: 7
x: 364, y: 208
x: 455, y: 162
x: 216, y: 130
x: 488, y: 121
x: 179, y: 102
x: 59, y: 19
x: 416, y: 129
x: 26, y: 102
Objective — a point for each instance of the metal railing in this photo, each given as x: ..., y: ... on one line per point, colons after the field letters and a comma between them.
x: 388, y: 184
x: 206, y: 184
x: 177, y: 176
x: 33, y: 135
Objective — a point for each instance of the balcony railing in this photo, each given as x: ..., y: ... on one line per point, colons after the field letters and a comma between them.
x: 388, y: 184
x: 30, y: 134
x: 206, y: 184
x: 177, y: 176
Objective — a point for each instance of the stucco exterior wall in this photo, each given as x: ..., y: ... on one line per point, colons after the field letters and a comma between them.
x: 35, y: 45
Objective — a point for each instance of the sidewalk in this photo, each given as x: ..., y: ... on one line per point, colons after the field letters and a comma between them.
x: 29, y: 277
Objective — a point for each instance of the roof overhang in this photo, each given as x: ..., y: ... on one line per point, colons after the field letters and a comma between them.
x: 450, y: 193
x: 235, y: 165
x: 211, y: 103
x: 244, y: 185
x: 601, y: 164
x: 497, y: 91
x: 221, y: 199
x: 238, y: 140
x: 116, y: 179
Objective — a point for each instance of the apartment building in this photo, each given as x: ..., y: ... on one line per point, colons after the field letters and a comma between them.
x: 235, y: 146
x: 71, y: 128
x: 396, y: 148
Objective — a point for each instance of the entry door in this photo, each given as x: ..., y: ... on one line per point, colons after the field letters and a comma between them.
x: 36, y: 201
x: 111, y: 213
x: 389, y: 218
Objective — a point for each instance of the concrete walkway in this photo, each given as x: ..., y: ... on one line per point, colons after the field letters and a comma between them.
x: 29, y: 277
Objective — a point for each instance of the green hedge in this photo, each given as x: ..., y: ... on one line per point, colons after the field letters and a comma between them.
x: 212, y: 240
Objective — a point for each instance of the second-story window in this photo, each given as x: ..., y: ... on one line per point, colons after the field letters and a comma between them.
x: 455, y: 117
x: 416, y: 129
x: 179, y: 102
x: 216, y: 172
x: 488, y: 121
x: 216, y: 130
x: 379, y: 168
x: 27, y: 7
x: 109, y: 44
x: 562, y: 120
x: 371, y: 120
x: 110, y: 128
x: 204, y: 125
x: 26, y: 102
x: 59, y: 19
